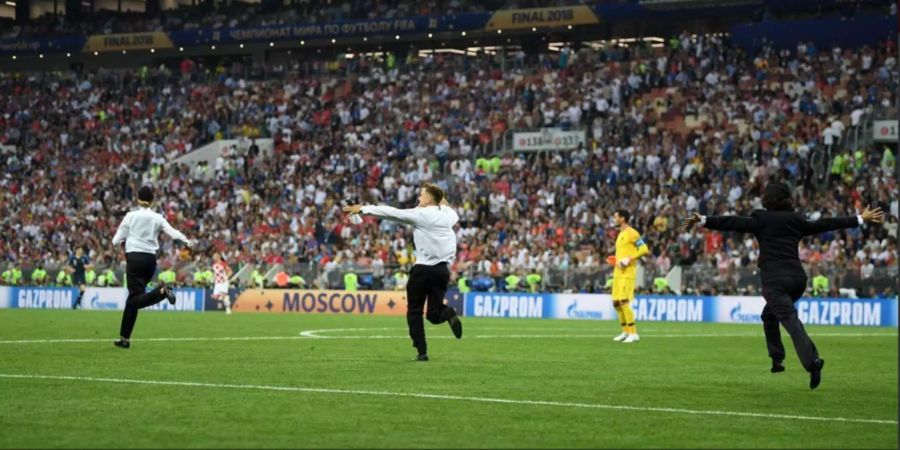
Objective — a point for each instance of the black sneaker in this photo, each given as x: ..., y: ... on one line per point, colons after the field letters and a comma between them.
x: 777, y: 366
x: 122, y: 343
x: 170, y: 295
x: 455, y: 324
x: 422, y: 357
x: 815, y: 375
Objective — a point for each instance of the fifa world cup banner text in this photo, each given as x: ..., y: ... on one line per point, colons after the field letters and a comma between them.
x: 514, y: 19
x: 135, y: 41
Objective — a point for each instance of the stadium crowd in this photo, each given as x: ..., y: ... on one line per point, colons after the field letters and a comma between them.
x: 694, y: 125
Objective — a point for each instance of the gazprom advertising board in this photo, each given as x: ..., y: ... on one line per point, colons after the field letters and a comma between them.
x: 649, y: 308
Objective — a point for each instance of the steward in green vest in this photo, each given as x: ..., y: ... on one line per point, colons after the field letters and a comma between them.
x: 660, y: 284
x: 258, y: 279
x: 298, y: 282
x: 512, y: 282
x: 534, y: 282
x: 203, y: 278
x: 820, y: 285
x: 400, y: 280
x: 63, y: 278
x: 109, y: 278
x: 38, y: 276
x: 351, y: 282
x: 167, y: 276
x: 463, y: 284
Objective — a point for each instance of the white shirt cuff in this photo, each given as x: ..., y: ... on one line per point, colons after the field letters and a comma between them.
x: 702, y: 220
x: 860, y: 219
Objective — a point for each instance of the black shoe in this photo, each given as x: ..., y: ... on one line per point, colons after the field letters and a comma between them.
x: 815, y: 375
x: 170, y: 294
x: 777, y: 366
x: 122, y: 343
x: 422, y: 357
x: 455, y: 324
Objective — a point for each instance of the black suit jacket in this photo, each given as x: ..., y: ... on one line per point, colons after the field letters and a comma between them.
x: 779, y: 234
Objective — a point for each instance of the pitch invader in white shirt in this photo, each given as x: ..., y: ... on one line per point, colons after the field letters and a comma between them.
x: 435, y: 240
x: 139, y: 231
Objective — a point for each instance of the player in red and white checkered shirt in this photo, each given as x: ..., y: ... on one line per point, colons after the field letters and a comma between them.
x: 222, y: 275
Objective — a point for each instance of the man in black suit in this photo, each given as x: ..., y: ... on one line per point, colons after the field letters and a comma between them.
x: 779, y: 229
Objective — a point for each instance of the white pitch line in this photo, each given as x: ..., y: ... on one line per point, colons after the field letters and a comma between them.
x: 453, y: 397
x: 169, y: 339
x: 313, y: 334
x: 316, y: 334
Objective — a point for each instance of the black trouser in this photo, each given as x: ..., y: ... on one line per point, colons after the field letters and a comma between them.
x: 426, y: 283
x: 139, y: 270
x: 780, y: 295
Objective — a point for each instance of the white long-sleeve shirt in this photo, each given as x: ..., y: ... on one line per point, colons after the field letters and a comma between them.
x: 140, y: 228
x: 432, y: 230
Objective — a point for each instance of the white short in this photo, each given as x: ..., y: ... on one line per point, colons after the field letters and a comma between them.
x: 220, y: 289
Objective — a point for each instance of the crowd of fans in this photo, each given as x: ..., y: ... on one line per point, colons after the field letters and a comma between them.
x: 694, y: 125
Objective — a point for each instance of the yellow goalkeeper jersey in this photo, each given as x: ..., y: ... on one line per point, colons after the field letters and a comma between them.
x: 629, y: 244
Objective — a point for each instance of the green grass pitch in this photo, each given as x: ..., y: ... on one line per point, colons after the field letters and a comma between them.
x: 253, y: 380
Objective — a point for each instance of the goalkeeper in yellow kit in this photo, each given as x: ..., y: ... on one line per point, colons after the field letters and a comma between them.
x: 629, y: 247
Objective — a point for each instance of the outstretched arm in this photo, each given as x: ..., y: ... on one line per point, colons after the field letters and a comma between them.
x: 813, y: 227
x: 731, y: 223
x: 404, y: 216
x: 723, y: 223
x: 173, y: 233
x: 837, y: 223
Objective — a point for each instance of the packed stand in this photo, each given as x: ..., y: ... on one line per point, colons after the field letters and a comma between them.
x: 694, y: 126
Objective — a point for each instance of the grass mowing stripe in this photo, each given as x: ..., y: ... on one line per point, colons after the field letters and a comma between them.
x: 450, y: 397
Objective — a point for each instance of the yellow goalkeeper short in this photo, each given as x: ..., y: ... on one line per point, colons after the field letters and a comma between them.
x: 623, y: 289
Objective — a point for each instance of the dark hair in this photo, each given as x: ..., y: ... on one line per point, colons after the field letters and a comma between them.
x: 623, y: 213
x: 777, y: 197
x: 434, y: 191
x: 145, y: 194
